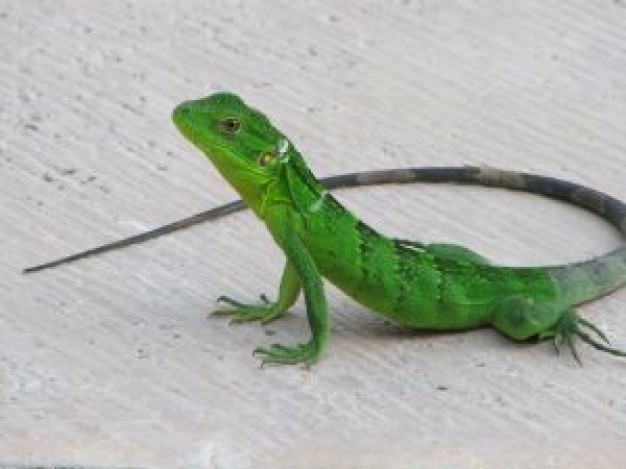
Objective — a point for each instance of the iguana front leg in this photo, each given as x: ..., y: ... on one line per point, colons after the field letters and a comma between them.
x: 288, y: 292
x: 317, y: 310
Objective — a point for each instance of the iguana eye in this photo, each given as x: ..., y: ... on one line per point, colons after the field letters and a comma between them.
x: 266, y: 158
x: 230, y: 125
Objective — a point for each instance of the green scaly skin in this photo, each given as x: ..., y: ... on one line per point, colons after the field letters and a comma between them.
x: 436, y: 287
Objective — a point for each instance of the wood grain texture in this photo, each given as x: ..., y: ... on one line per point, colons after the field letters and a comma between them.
x: 112, y: 361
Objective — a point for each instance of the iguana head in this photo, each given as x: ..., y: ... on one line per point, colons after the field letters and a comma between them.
x: 240, y: 141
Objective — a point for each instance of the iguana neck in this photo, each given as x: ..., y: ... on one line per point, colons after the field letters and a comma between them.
x: 296, y: 187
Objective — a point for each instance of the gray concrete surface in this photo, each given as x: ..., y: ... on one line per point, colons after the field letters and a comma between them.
x: 112, y: 361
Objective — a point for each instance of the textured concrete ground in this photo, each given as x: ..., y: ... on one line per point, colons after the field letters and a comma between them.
x: 112, y: 361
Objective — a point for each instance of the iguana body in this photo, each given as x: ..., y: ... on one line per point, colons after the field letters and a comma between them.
x: 430, y: 287
x: 444, y: 287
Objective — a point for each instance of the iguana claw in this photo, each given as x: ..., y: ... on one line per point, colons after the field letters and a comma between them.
x: 570, y: 325
x: 242, y: 312
x: 306, y: 353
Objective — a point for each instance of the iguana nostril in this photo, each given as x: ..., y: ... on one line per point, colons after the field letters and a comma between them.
x: 181, y: 113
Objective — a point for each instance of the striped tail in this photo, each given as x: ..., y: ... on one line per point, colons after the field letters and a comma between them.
x: 588, y: 280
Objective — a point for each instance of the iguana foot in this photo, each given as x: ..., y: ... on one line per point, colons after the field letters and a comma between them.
x: 522, y: 318
x: 265, y: 313
x: 307, y: 353
x: 570, y: 325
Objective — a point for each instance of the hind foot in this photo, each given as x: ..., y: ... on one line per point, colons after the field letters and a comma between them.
x: 570, y: 325
x: 522, y: 318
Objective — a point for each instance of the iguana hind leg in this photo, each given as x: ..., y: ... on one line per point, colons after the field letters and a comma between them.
x: 569, y: 326
x: 521, y: 318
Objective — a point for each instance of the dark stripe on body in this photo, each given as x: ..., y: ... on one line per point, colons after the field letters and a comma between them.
x: 367, y: 238
x: 406, y: 270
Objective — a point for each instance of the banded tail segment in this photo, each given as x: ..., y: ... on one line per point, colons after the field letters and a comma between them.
x: 604, y: 269
x: 586, y: 281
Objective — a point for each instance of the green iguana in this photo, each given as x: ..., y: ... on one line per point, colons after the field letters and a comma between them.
x: 422, y: 286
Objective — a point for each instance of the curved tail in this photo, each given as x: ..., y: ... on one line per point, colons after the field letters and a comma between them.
x: 588, y: 280
x: 581, y: 281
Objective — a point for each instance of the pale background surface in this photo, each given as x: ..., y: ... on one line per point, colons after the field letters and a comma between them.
x: 113, y: 361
